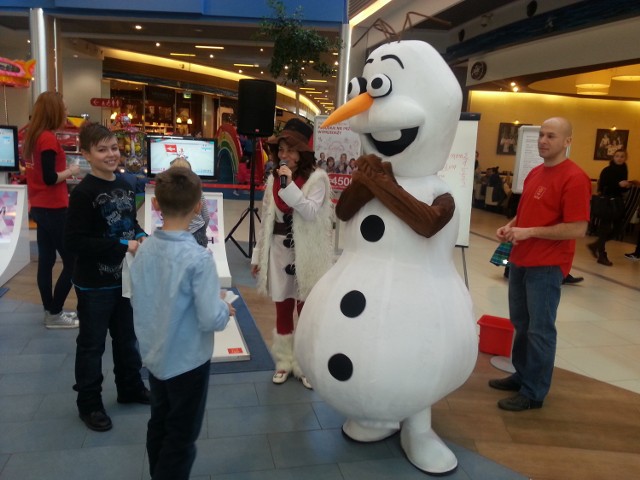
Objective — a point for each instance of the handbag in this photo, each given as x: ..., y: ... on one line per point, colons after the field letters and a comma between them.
x: 500, y: 257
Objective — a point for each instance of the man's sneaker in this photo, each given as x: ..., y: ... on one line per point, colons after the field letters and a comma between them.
x: 518, y: 403
x: 98, y: 421
x: 61, y: 320
x: 632, y: 256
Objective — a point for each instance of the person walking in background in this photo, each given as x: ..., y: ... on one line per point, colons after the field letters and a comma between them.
x: 553, y: 212
x: 200, y: 221
x: 176, y: 311
x: 294, y: 246
x: 612, y: 183
x: 101, y: 228
x: 47, y: 172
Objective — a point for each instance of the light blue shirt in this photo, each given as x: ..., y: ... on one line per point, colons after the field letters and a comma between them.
x: 175, y: 295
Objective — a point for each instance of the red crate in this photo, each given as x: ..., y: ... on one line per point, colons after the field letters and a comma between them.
x: 496, y: 335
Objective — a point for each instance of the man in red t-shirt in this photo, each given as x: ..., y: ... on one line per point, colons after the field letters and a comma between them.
x: 553, y: 212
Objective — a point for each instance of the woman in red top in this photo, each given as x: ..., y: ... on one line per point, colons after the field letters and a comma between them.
x: 47, y: 172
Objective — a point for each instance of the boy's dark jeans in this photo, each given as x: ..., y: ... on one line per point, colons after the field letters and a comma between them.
x: 99, y: 311
x: 177, y: 410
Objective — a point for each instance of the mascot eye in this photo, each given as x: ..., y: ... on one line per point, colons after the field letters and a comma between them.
x: 380, y: 86
x: 357, y: 86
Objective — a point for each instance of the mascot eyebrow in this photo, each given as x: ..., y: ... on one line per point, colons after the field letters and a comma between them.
x: 388, y: 57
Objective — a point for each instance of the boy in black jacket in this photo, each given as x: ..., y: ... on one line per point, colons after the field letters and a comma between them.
x: 101, y: 228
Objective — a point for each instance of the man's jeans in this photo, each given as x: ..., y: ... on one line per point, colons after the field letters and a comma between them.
x: 99, y: 311
x: 534, y: 296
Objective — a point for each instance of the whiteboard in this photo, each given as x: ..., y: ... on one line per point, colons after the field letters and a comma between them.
x: 459, y: 169
x: 527, y: 157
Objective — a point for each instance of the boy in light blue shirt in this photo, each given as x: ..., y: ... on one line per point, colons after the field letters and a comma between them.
x: 175, y: 294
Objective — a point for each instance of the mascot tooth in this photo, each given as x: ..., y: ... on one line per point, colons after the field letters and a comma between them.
x: 390, y: 330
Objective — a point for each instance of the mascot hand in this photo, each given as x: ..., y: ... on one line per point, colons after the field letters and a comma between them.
x: 357, y: 194
x: 369, y: 165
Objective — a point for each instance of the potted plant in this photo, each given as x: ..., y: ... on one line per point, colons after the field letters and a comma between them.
x: 295, y: 48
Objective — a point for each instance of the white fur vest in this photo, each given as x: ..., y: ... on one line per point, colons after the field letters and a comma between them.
x: 312, y: 239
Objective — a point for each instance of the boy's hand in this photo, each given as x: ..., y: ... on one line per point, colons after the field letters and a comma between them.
x: 133, y: 246
x: 232, y: 310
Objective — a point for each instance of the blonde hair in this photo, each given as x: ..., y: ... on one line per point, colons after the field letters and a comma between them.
x: 180, y: 162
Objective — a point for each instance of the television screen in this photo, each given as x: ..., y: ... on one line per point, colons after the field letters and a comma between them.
x: 199, y: 152
x: 8, y: 149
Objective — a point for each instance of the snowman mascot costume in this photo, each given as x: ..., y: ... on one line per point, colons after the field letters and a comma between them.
x: 389, y: 330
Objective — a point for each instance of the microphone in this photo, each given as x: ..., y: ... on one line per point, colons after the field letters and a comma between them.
x: 283, y: 178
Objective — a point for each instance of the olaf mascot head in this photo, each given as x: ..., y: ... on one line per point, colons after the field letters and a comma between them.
x: 389, y: 330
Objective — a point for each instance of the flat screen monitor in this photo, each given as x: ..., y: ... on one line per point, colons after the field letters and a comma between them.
x: 199, y: 152
x: 8, y: 148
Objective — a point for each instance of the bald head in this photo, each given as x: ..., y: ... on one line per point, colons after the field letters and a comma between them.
x: 553, y: 140
x: 561, y: 125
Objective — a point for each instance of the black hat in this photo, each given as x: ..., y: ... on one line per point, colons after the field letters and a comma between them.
x: 296, y: 134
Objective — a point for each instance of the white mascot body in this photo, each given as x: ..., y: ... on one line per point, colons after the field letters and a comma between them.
x: 389, y: 330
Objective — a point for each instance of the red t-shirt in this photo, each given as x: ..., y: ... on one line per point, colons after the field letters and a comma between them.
x: 551, y: 195
x: 41, y: 194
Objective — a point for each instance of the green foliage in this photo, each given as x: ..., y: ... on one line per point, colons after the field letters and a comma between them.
x: 295, y: 47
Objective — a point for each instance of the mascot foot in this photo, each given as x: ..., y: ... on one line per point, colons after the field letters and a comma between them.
x: 427, y: 452
x: 360, y: 433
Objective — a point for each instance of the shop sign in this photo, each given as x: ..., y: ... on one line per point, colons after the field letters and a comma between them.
x: 106, y: 102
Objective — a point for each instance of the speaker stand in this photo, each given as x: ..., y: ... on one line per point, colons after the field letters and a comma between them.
x: 249, y: 212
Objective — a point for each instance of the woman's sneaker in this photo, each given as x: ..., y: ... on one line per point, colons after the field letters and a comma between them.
x: 632, y: 256
x: 61, y: 320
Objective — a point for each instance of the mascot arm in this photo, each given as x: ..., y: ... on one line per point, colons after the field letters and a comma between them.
x: 357, y: 194
x: 352, y: 199
x: 424, y: 219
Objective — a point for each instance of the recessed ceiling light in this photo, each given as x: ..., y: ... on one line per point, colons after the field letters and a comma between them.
x: 157, y: 44
x: 211, y: 55
x: 210, y: 47
x: 138, y: 27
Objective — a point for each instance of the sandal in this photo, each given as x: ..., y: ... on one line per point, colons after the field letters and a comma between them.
x: 280, y: 377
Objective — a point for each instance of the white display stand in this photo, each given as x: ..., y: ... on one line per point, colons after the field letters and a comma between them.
x: 14, y: 231
x: 215, y: 231
x: 216, y: 236
x: 229, y: 345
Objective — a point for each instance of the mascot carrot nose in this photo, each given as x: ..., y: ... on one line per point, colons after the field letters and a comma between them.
x: 353, y: 107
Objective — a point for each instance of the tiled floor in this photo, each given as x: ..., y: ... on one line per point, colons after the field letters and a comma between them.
x: 254, y: 430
